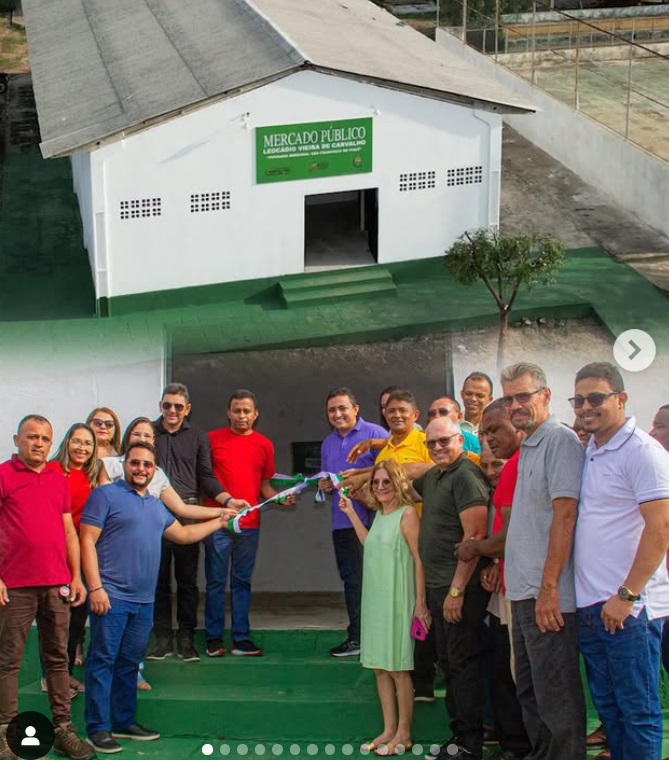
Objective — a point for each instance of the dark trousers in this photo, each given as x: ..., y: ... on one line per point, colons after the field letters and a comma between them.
x: 424, y: 659
x: 509, y: 725
x: 459, y: 651
x: 53, y: 623
x: 348, y: 553
x: 186, y: 557
x: 78, y: 617
x: 548, y: 683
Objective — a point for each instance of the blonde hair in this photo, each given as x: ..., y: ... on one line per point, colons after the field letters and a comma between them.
x: 397, y: 478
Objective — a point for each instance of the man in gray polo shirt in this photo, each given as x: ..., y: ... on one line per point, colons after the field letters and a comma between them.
x: 539, y: 569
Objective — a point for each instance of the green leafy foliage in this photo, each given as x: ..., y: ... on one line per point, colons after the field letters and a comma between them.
x: 505, y: 265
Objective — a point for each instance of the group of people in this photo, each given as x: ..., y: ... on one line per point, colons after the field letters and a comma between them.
x: 550, y: 545
x: 97, y: 528
x: 497, y: 523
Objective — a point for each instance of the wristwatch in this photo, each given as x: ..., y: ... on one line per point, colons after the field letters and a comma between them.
x: 625, y: 595
x: 456, y: 592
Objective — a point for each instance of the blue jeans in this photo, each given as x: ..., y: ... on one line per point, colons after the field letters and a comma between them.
x: 623, y: 672
x: 118, y: 645
x: 235, y: 552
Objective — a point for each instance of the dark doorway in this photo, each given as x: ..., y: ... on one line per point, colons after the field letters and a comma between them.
x: 341, y: 229
x: 291, y: 385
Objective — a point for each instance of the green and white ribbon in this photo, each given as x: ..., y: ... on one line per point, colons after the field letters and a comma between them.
x: 296, y: 484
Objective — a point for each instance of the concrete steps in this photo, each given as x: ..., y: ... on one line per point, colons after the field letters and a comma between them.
x: 341, y: 285
x: 296, y: 692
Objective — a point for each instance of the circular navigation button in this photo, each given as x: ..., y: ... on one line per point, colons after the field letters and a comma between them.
x: 634, y: 350
x: 30, y: 735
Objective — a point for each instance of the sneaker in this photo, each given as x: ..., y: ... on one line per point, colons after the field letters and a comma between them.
x: 450, y: 749
x: 490, y: 736
x: 68, y: 744
x: 186, y: 651
x: 246, y: 648
x: 347, y: 648
x: 215, y: 648
x: 102, y: 742
x: 73, y: 692
x: 136, y: 732
x: 160, y: 650
x: 5, y: 752
x: 596, y: 738
x: 423, y: 695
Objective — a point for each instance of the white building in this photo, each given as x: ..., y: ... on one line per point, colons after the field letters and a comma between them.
x: 224, y: 140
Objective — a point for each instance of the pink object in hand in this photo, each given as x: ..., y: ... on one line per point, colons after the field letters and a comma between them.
x: 418, y: 630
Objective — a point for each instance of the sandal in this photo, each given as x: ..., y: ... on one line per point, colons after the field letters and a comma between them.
x: 389, y: 749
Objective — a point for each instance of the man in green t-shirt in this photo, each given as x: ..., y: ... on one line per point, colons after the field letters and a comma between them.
x: 455, y: 506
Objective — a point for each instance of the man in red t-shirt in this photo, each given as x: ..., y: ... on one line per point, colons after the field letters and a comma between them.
x: 40, y: 576
x: 498, y: 433
x: 243, y: 459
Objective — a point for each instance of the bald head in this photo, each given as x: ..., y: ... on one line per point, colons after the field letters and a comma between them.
x: 444, y: 441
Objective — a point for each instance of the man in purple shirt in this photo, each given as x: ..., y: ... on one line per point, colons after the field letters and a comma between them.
x: 348, y: 429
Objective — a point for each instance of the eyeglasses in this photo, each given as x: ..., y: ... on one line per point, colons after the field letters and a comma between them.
x: 383, y: 483
x: 432, y: 443
x: 145, y: 463
x: 97, y: 422
x: 83, y: 444
x: 166, y: 405
x: 594, y: 399
x: 443, y: 411
x: 521, y: 398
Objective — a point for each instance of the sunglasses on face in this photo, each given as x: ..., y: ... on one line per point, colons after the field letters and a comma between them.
x: 166, y: 405
x: 443, y: 411
x: 594, y: 399
x: 432, y: 443
x: 145, y: 463
x: 381, y: 483
x: 521, y: 398
x: 97, y: 422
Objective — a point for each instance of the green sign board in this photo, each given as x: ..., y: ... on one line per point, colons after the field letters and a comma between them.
x: 316, y: 149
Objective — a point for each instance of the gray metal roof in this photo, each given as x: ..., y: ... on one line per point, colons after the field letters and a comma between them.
x: 102, y: 67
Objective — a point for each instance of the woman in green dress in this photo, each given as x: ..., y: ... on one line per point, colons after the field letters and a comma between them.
x: 393, y: 594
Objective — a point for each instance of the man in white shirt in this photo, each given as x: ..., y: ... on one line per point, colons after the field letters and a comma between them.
x: 622, y: 590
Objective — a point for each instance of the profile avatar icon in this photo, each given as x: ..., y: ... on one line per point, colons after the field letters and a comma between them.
x: 30, y: 735
x: 30, y: 739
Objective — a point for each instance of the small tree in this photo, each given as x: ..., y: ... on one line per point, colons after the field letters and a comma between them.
x: 504, y: 265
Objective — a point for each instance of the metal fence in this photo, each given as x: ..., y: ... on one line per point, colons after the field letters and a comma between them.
x: 611, y: 64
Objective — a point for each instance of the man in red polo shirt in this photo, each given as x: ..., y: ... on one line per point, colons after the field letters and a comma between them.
x: 243, y: 459
x: 503, y: 439
x: 40, y: 576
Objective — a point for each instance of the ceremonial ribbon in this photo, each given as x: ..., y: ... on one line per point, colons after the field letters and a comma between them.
x: 296, y: 484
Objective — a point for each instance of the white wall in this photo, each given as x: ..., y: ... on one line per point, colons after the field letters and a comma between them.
x: 63, y: 370
x: 263, y: 233
x: 633, y: 178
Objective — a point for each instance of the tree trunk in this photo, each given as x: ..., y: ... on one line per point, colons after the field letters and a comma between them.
x: 501, y: 340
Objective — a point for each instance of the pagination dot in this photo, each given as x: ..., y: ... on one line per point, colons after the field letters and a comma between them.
x: 207, y: 749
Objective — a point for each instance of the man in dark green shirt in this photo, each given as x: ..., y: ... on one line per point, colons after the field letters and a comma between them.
x: 455, y: 506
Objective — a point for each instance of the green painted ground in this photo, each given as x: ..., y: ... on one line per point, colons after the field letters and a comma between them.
x: 296, y: 701
x: 45, y: 276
